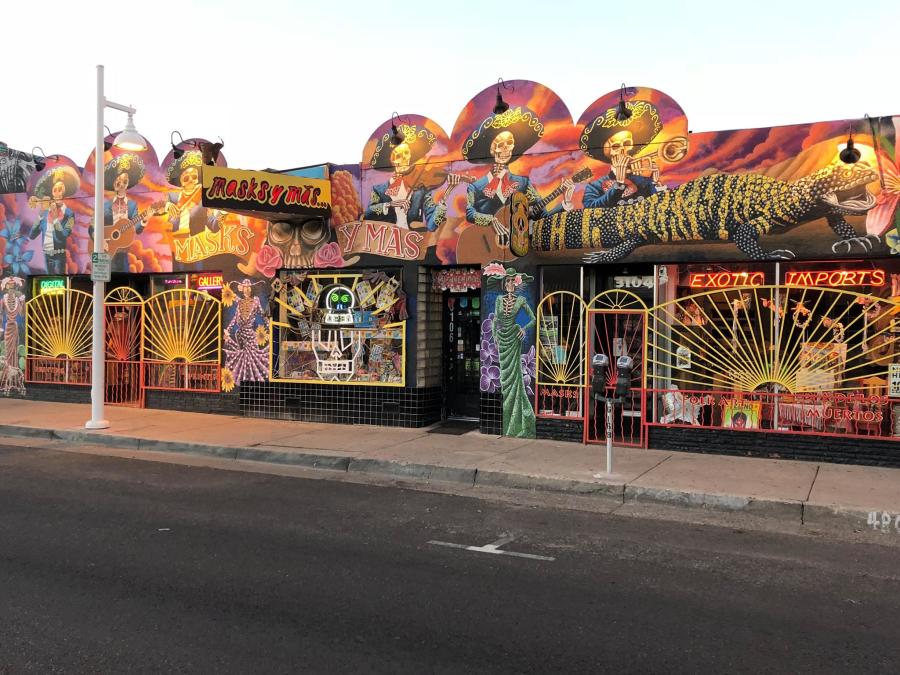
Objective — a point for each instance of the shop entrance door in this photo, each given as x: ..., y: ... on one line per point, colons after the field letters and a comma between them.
x: 123, y: 348
x: 462, y: 365
x: 617, y: 333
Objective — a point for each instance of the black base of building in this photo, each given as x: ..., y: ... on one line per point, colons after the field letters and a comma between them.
x: 193, y: 401
x: 560, y: 430
x: 491, y: 414
x: 833, y: 449
x: 344, y: 404
x: 58, y: 393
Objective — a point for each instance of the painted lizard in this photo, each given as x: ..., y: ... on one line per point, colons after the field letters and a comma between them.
x: 718, y: 207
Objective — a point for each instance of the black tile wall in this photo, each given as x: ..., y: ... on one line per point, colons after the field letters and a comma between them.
x: 873, y: 452
x: 560, y: 430
x: 342, y: 404
x: 60, y: 393
x: 491, y: 406
x: 191, y: 401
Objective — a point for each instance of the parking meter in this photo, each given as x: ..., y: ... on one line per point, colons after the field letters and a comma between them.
x: 599, y: 364
x: 624, y: 366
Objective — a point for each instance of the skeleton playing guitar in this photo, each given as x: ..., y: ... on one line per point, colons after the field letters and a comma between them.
x: 120, y: 235
x: 477, y: 244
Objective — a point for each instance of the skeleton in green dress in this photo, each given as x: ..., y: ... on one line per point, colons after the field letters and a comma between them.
x: 518, y: 414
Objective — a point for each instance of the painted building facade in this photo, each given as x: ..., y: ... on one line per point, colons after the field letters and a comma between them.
x: 751, y: 275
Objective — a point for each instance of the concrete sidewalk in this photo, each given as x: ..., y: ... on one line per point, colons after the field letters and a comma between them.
x: 800, y: 492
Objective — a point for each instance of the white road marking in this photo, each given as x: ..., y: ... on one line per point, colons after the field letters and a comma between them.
x: 493, y: 547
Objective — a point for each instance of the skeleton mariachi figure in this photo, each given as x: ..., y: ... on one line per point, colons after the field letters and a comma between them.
x: 184, y: 209
x: 57, y: 219
x: 245, y: 357
x: 403, y: 199
x: 499, y: 141
x: 121, y: 173
x: 615, y: 141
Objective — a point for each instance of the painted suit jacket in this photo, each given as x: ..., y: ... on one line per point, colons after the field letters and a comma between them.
x: 603, y: 192
x: 59, y: 236
x: 421, y: 207
x: 482, y: 206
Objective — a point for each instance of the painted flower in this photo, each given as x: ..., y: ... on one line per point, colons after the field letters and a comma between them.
x: 494, y: 269
x: 228, y: 295
x: 227, y: 379
x: 329, y: 255
x: 880, y: 217
x: 489, y: 351
x: 528, y: 370
x: 262, y: 336
x: 11, y: 229
x: 16, y: 259
x: 490, y: 379
x: 268, y: 260
x: 487, y: 327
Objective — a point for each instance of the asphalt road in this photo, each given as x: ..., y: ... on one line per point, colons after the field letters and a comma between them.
x: 113, y: 565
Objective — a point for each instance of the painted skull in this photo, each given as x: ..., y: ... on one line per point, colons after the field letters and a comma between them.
x: 621, y: 143
x: 297, y: 242
x: 400, y: 158
x: 502, y: 147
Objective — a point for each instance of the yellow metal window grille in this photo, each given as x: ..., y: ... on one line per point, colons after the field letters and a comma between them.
x: 58, y: 337
x: 793, y: 339
x: 182, y: 340
x: 560, y: 355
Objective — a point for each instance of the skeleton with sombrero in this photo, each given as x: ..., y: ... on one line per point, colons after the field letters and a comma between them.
x: 616, y: 142
x: 57, y: 219
x: 499, y: 140
x: 120, y: 174
x: 184, y: 209
x: 403, y: 199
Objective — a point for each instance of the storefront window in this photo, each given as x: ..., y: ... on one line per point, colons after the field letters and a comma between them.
x: 813, y: 353
x: 340, y: 328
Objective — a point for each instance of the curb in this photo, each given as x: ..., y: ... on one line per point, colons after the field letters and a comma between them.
x: 620, y: 493
x: 827, y: 516
x: 773, y: 508
x: 411, y: 470
x: 541, y: 483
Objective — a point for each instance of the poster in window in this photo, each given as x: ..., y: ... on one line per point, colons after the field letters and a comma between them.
x: 894, y: 380
x: 741, y: 416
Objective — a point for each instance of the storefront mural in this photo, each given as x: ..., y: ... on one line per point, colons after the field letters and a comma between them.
x: 508, y: 352
x: 339, y: 327
x: 311, y: 265
x: 246, y: 335
x: 15, y: 168
x: 612, y: 187
x: 12, y: 357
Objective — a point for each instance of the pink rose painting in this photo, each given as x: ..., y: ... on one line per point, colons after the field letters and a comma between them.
x: 329, y: 255
x: 268, y: 260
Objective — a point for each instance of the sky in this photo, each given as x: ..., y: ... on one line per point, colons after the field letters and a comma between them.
x: 288, y: 84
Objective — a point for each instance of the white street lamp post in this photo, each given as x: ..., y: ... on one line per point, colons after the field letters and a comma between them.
x: 129, y: 139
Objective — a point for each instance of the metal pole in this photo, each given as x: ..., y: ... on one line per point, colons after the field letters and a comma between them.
x: 609, y: 436
x: 98, y: 365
